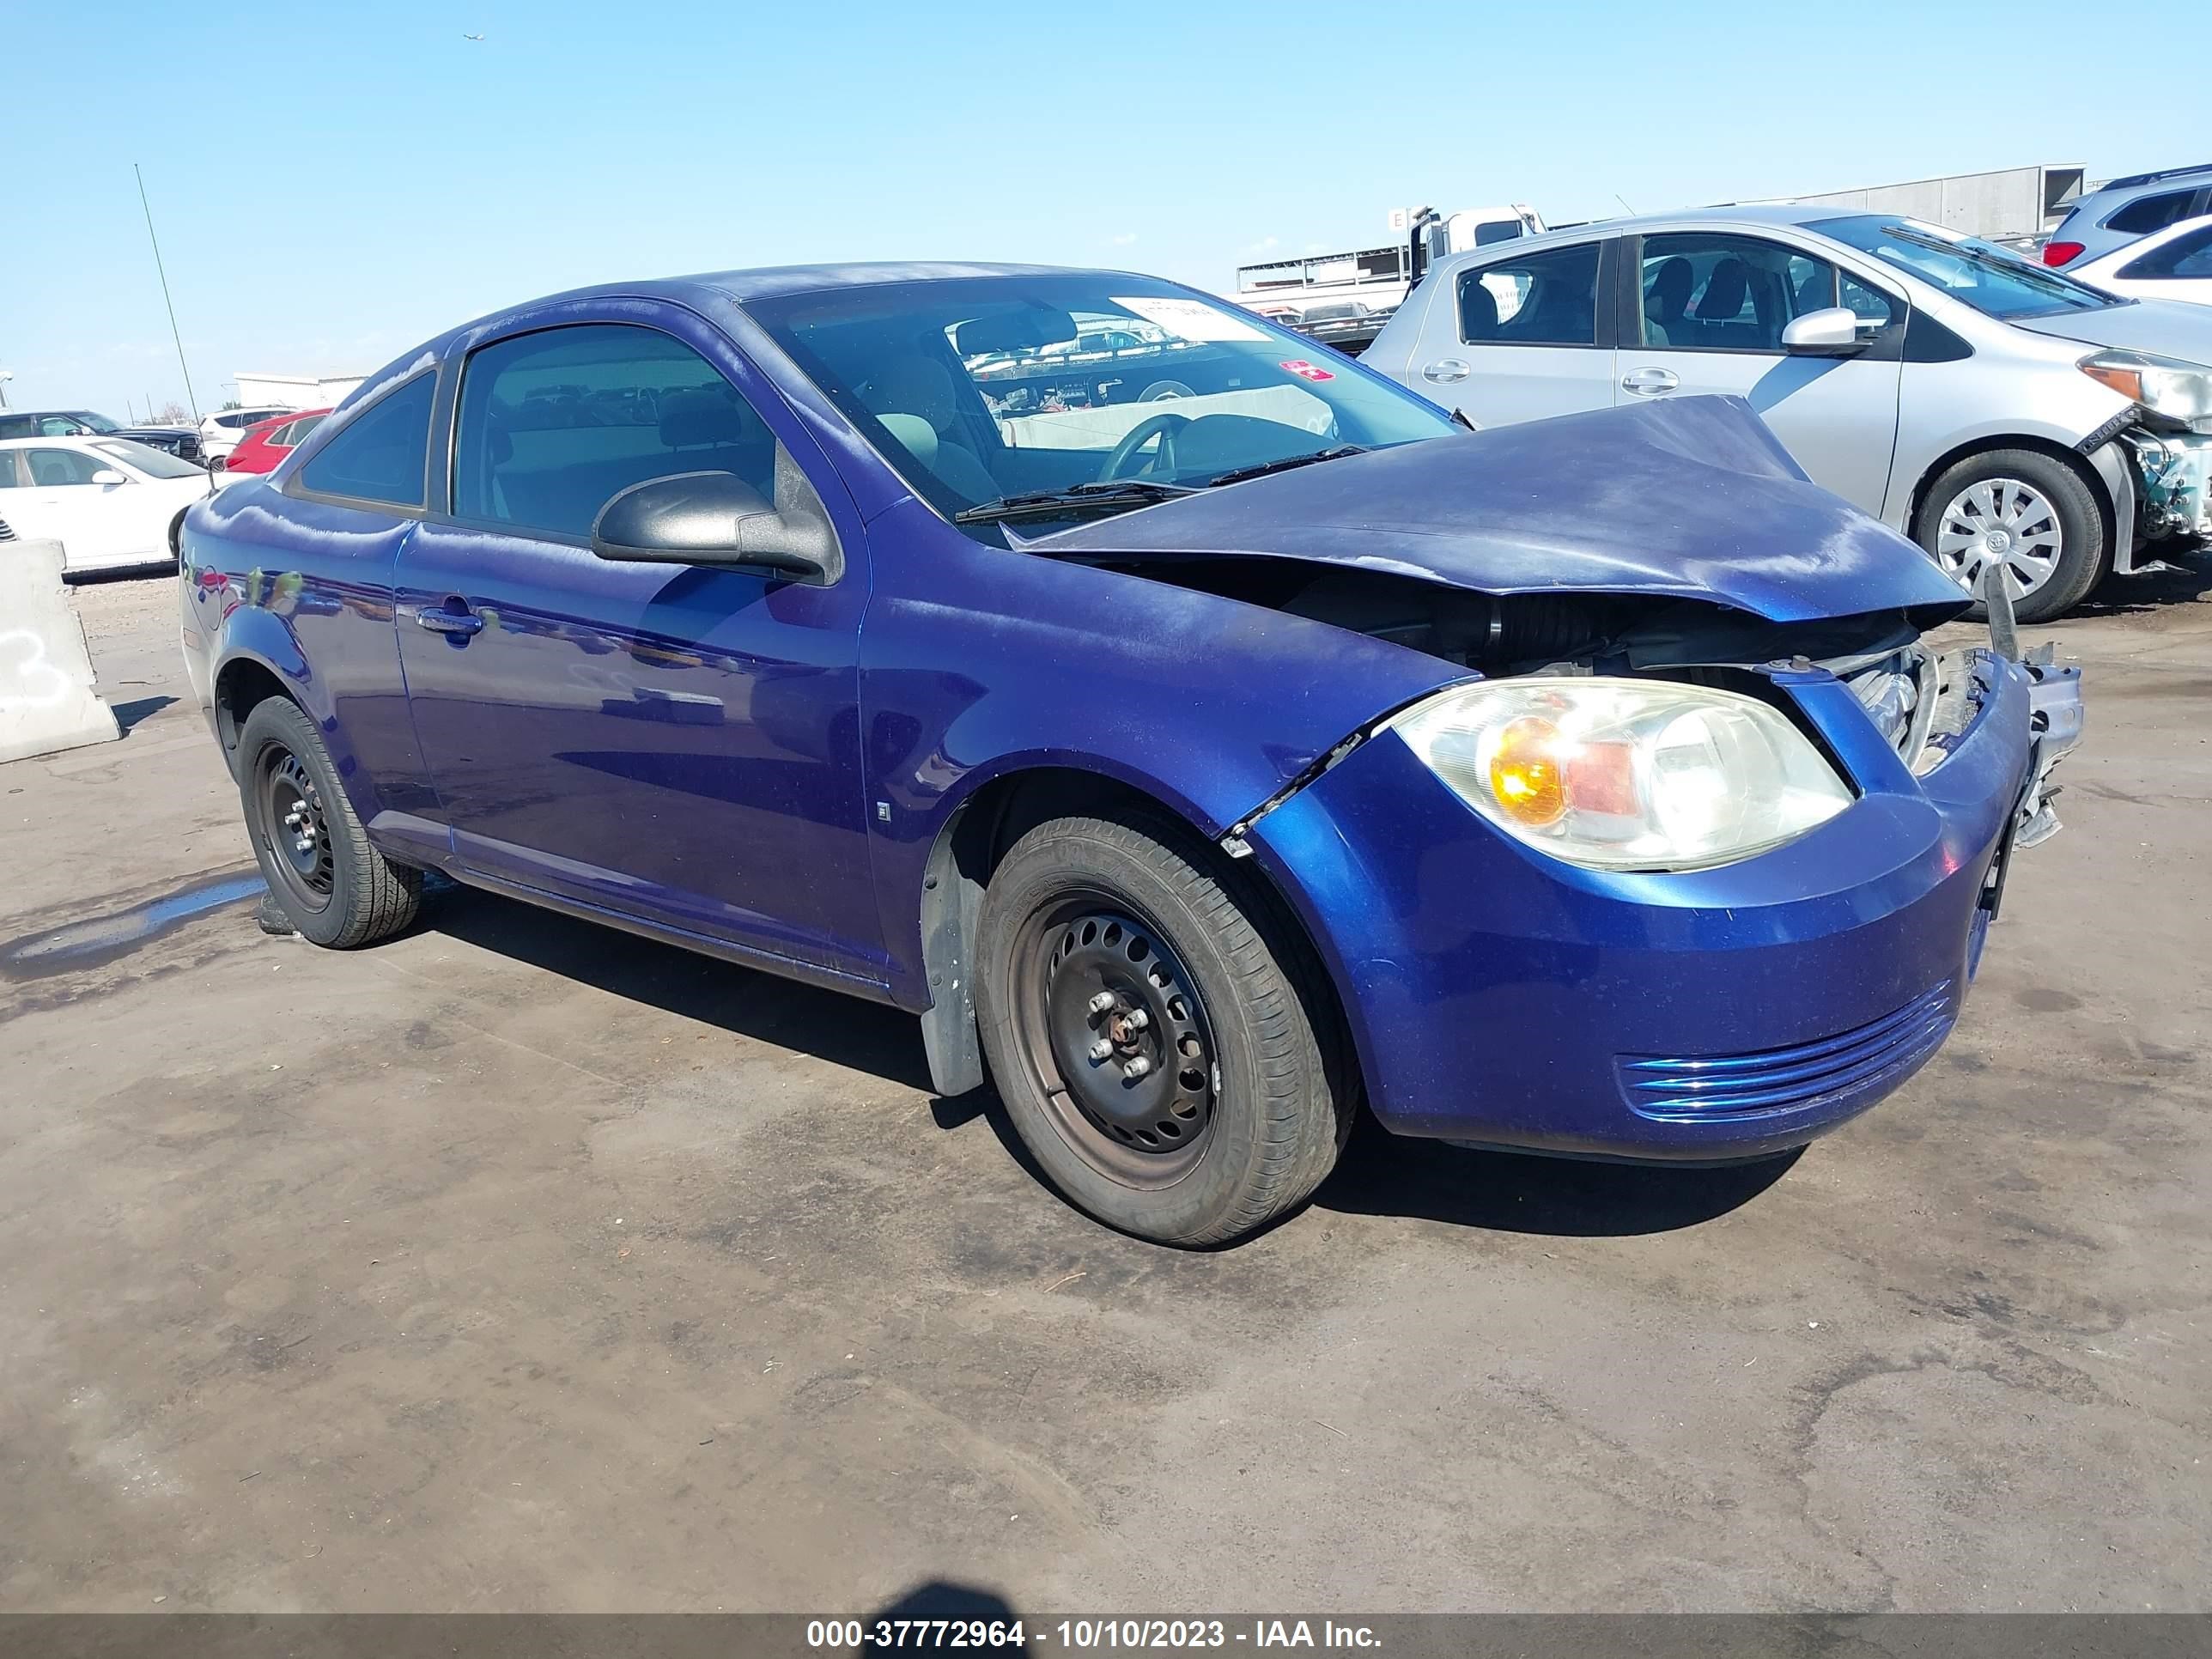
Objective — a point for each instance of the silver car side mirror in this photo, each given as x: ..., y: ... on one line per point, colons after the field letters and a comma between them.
x: 1832, y: 331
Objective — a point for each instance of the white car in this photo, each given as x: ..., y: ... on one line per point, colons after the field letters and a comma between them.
x: 220, y: 433
x: 2174, y: 263
x: 111, y: 503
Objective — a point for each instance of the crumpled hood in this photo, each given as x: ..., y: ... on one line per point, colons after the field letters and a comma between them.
x: 2168, y: 328
x: 1690, y: 498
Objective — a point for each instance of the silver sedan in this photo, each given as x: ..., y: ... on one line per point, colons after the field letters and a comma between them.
x: 2013, y: 422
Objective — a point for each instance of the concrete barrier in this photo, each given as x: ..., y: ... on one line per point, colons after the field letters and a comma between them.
x: 47, y: 702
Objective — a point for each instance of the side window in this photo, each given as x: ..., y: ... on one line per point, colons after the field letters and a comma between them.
x: 1869, y: 305
x: 552, y: 424
x: 7, y: 469
x: 1706, y: 292
x: 381, y: 454
x: 2184, y: 256
x: 2148, y: 213
x: 1546, y: 298
x: 50, y: 467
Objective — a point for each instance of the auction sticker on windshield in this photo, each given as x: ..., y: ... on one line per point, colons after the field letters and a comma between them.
x: 1306, y: 371
x: 1193, y: 319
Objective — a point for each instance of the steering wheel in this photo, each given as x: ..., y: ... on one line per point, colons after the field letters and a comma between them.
x: 1164, y: 427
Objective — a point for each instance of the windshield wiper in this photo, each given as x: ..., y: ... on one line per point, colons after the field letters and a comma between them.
x: 1238, y: 474
x: 1106, y: 493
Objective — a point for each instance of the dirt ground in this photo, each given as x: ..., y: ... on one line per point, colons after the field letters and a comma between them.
x: 517, y: 1264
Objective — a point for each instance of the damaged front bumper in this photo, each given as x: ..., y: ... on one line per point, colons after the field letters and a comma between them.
x: 2054, y: 716
x: 2160, y: 482
x: 1500, y: 997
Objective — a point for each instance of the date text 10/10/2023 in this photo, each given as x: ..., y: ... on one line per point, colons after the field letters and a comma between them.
x: 1084, y: 1634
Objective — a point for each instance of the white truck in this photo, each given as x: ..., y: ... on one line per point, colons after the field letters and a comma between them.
x: 1344, y: 299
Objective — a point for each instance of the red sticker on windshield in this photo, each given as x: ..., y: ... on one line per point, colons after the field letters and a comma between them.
x: 1300, y: 366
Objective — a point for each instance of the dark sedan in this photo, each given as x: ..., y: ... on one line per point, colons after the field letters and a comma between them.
x: 1199, y: 768
x: 183, y: 442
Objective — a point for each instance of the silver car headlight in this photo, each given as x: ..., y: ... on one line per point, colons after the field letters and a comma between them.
x: 2165, y: 385
x: 1625, y: 775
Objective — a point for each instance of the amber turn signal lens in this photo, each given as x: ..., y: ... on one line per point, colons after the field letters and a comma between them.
x: 2127, y: 381
x: 1524, y: 773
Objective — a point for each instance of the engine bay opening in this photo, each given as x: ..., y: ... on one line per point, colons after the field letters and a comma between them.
x: 1877, y: 653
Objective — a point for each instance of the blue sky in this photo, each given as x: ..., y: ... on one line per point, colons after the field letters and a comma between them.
x: 334, y: 183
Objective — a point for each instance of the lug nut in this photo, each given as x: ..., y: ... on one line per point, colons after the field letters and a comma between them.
x: 1136, y: 1068
x: 1138, y: 1019
x: 1102, y: 1049
x: 1102, y: 1002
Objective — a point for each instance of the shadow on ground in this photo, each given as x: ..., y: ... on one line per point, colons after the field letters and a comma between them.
x: 128, y: 715
x: 1380, y: 1174
x: 845, y: 1030
x: 2188, y: 582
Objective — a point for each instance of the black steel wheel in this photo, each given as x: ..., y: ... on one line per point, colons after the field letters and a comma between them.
x: 293, y: 830
x: 1165, y: 1046
x: 331, y: 884
x: 1113, y: 1036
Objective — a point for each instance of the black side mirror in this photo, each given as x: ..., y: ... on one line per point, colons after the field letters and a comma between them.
x: 717, y: 519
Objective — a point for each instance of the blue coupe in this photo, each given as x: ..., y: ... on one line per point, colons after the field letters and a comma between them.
x: 1206, y: 738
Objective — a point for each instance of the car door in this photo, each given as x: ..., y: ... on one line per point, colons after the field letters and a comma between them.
x: 1712, y: 308
x: 59, y: 499
x: 1518, y: 337
x: 674, y: 742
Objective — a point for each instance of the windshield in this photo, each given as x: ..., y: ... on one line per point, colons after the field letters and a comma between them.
x: 1995, y: 283
x: 982, y: 389
x: 145, y: 457
x: 95, y: 422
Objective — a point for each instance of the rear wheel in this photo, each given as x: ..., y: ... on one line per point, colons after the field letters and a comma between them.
x: 2021, y: 511
x: 1156, y: 1032
x: 331, y: 884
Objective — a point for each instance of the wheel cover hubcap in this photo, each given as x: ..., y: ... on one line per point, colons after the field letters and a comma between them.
x: 1118, y: 1039
x: 2000, y: 522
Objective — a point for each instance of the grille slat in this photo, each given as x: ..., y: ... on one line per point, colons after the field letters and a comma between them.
x: 1786, y: 1079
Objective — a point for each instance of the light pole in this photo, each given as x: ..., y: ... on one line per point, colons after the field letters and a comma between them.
x: 4, y: 378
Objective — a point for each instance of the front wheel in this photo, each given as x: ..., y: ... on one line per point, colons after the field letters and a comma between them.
x: 2022, y: 513
x: 332, y: 886
x: 1156, y: 1032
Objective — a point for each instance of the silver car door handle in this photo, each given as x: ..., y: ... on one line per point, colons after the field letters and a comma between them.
x: 1445, y: 370
x: 459, y: 624
x: 1649, y: 382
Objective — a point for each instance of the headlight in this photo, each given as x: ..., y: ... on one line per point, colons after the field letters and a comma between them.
x: 1626, y: 775
x: 2165, y: 385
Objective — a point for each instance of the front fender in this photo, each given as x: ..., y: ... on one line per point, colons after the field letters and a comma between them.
x: 979, y: 663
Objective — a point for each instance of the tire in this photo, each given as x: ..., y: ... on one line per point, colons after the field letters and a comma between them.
x: 2036, y: 496
x: 338, y: 891
x: 1246, y: 1100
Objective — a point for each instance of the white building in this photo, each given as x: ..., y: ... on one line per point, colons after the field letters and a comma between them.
x: 293, y: 391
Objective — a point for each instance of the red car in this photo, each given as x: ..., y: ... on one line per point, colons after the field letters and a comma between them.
x: 265, y: 445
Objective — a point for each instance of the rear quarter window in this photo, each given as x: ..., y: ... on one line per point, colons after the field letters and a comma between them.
x: 2148, y: 213
x: 382, y: 454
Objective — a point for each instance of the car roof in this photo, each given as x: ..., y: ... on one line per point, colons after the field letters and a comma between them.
x: 1783, y: 214
x: 284, y: 414
x: 50, y: 443
x: 2136, y: 181
x: 771, y: 282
